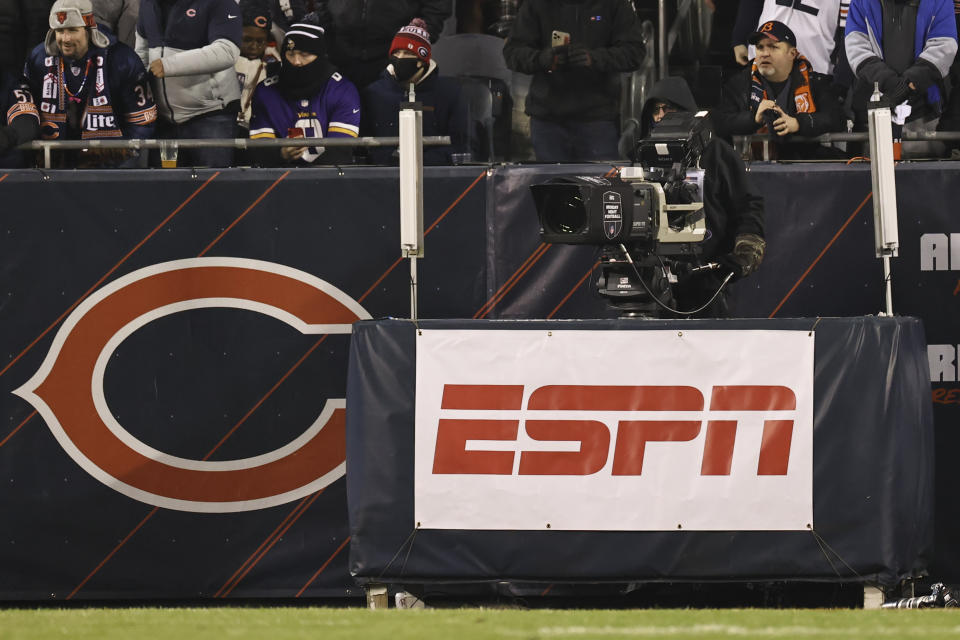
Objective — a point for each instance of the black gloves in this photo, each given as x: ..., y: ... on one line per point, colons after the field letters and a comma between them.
x: 747, y: 254
x: 922, y: 74
x: 895, y: 88
x: 580, y: 58
x: 553, y: 58
x: 565, y: 57
x: 898, y: 92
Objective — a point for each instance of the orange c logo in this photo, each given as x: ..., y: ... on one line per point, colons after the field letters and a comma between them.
x: 67, y: 390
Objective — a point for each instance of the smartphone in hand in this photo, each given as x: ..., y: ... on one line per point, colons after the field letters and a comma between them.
x: 296, y: 132
x: 559, y: 38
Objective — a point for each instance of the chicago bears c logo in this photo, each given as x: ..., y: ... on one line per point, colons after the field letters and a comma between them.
x: 67, y: 390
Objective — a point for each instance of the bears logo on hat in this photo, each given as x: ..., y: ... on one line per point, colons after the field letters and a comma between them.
x: 66, y: 14
x: 776, y: 31
x: 415, y: 38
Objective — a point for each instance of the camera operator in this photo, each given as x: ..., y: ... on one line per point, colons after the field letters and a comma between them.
x: 734, y: 209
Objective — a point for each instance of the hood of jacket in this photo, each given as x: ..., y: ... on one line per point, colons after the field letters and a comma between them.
x: 672, y: 89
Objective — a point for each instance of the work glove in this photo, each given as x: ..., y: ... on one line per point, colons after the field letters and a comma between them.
x: 747, y: 254
x: 580, y: 58
x: 553, y: 58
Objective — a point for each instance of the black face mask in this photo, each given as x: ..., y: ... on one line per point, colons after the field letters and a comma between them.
x: 405, y: 68
x: 305, y: 81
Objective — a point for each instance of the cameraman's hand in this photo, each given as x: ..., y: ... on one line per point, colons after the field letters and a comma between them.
x: 764, y: 105
x: 785, y: 124
x: 748, y: 250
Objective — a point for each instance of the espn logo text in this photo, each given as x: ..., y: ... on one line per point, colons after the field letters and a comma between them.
x: 453, y: 453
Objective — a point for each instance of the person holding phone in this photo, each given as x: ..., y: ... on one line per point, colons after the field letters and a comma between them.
x: 307, y: 99
x: 576, y: 51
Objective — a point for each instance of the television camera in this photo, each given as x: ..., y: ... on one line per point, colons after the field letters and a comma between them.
x: 649, y: 222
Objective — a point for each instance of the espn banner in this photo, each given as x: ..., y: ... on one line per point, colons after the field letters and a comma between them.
x: 627, y: 450
x: 619, y: 431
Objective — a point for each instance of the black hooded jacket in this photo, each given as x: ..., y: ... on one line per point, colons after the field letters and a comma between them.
x: 610, y: 32
x: 733, y: 205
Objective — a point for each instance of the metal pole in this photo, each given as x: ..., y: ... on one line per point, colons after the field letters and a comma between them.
x: 413, y: 287
x: 662, y: 37
x: 411, y: 189
x: 889, y: 284
x: 884, y: 182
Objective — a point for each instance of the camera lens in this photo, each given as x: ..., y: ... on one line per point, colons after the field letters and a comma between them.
x: 566, y: 211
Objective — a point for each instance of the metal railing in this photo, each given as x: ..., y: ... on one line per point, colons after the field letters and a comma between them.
x: 743, y: 143
x: 47, y: 146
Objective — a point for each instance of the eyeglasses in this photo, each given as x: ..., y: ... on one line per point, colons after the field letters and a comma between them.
x: 662, y: 108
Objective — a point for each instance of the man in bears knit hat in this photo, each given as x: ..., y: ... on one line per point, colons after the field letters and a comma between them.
x: 308, y: 99
x: 444, y: 111
x: 359, y: 31
x: 89, y: 86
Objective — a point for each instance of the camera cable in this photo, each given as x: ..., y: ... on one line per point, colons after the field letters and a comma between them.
x: 708, y: 267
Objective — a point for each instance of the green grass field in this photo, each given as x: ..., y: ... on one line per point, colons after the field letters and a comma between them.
x: 465, y: 624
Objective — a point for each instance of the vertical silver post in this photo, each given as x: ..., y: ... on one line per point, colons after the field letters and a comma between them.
x: 411, y: 190
x: 46, y: 156
x: 885, y: 229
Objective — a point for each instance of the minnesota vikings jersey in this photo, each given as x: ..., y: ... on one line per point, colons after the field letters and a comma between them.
x: 332, y: 113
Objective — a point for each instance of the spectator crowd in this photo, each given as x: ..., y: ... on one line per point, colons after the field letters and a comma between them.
x: 223, y: 69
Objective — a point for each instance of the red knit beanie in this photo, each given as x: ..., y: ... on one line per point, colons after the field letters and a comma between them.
x: 415, y: 38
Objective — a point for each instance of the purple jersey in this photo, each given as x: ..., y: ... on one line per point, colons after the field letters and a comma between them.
x: 332, y: 113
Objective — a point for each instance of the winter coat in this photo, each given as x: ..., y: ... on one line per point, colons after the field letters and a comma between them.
x: 444, y: 114
x: 199, y: 45
x: 610, y: 32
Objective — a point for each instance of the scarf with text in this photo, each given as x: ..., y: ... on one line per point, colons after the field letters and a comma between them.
x: 800, y: 83
x: 89, y: 110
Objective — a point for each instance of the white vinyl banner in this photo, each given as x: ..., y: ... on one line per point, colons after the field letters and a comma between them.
x: 614, y: 430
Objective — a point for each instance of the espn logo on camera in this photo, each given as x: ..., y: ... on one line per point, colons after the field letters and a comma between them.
x: 614, y: 430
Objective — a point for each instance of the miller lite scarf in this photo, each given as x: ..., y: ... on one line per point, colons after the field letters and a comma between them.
x: 89, y: 110
x: 799, y: 81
